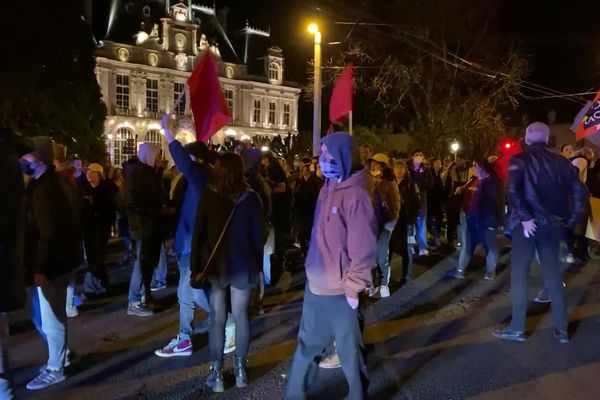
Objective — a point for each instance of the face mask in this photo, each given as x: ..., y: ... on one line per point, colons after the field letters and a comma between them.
x: 330, y: 168
x: 26, y: 167
x: 376, y: 173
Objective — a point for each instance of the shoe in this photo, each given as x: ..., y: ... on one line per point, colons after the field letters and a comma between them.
x: 490, y: 276
x: 239, y: 370
x: 331, y: 362
x: 373, y: 290
x: 214, y: 380
x: 456, y: 273
x: 509, y: 334
x: 44, y: 367
x: 46, y: 379
x: 384, y: 291
x: 176, y: 348
x: 72, y: 312
x: 423, y: 252
x: 543, y: 297
x: 139, y: 310
x: 561, y: 335
x: 203, y: 327
x: 229, y: 340
x: 157, y: 287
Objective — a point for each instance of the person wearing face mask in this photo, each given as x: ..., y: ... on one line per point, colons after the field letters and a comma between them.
x: 341, y: 256
x: 148, y: 212
x: 53, y: 252
x: 387, y: 191
x: 421, y: 175
x: 98, y: 214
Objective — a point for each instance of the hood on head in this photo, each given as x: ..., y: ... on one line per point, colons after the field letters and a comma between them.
x: 147, y: 153
x: 344, y: 151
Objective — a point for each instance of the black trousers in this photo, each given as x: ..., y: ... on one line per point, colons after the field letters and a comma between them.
x: 95, y: 240
x: 547, y: 243
x: 326, y: 319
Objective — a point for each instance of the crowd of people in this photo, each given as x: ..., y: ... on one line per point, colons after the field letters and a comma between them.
x: 230, y: 219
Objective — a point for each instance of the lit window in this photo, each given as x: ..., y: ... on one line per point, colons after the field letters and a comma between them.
x: 152, y: 95
x: 257, y: 110
x: 229, y: 99
x: 122, y: 92
x: 146, y: 11
x: 178, y: 88
x: 287, y: 114
x: 274, y: 71
x: 153, y: 136
x: 272, y: 110
x: 123, y: 146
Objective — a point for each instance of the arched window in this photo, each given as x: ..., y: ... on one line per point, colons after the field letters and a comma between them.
x: 273, y: 71
x: 153, y: 136
x: 146, y: 11
x: 122, y: 146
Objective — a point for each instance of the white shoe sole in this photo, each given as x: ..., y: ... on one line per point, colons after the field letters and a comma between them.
x: 59, y: 380
x: 160, y: 354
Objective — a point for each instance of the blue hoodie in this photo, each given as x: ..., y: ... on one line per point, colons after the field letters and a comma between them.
x: 342, y: 147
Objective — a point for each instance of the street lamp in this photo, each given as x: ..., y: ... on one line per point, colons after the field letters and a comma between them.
x: 314, y: 30
x: 455, y: 147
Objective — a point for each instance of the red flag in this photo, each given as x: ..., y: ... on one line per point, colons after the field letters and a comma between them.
x: 341, y: 98
x: 591, y: 121
x: 206, y: 98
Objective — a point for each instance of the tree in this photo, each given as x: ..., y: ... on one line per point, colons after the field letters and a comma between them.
x: 47, y: 80
x: 441, y: 71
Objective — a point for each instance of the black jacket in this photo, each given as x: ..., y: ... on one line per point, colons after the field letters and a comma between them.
x: 485, y: 203
x: 544, y: 186
x: 12, y: 230
x: 98, y: 206
x: 305, y: 201
x: 54, y: 239
x: 239, y: 257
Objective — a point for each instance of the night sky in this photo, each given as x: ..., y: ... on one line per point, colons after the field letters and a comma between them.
x: 561, y: 39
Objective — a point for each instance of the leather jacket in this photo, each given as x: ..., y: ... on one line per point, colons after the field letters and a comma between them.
x: 544, y: 186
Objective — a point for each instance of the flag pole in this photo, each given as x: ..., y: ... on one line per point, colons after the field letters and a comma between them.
x: 350, y: 121
x: 179, y: 98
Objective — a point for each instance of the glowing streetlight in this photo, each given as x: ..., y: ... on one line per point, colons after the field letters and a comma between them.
x: 314, y: 30
x: 455, y: 147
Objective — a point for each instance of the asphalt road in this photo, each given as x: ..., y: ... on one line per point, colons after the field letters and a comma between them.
x: 429, y: 340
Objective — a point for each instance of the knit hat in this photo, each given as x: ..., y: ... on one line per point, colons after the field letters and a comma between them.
x: 93, y: 167
x: 538, y: 132
x: 198, y: 150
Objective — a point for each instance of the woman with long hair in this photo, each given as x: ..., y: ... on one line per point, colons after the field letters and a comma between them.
x: 227, y: 250
x: 405, y: 227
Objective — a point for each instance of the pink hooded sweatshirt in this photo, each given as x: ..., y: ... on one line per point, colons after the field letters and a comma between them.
x: 343, y: 247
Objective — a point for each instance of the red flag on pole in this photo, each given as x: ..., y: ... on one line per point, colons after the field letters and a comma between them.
x: 340, y: 104
x: 591, y: 121
x: 206, y: 98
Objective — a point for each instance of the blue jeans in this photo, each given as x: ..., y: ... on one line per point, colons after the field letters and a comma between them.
x: 148, y: 254
x: 473, y: 236
x: 383, y: 255
x: 189, y: 298
x: 422, y: 228
x: 51, y: 300
x: 160, y: 273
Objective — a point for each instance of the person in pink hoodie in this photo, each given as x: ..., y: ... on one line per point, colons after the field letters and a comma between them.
x: 339, y: 264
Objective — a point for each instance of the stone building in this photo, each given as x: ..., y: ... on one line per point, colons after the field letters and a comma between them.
x: 143, y: 79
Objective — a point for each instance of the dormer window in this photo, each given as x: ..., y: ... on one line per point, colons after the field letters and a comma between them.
x: 274, y: 71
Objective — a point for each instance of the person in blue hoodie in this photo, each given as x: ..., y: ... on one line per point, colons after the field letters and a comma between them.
x: 191, y: 161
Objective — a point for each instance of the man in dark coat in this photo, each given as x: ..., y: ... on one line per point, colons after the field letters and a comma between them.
x: 12, y: 223
x: 53, y: 251
x: 545, y: 198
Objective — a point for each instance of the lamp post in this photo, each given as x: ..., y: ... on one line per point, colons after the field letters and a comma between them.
x: 455, y: 147
x: 314, y: 29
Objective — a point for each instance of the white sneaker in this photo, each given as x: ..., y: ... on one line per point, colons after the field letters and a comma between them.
x: 46, y: 379
x: 423, y: 252
x: 384, y: 291
x: 72, y: 312
x: 176, y: 348
x: 139, y: 310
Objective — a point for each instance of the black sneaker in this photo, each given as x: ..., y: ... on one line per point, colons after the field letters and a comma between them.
x: 562, y: 336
